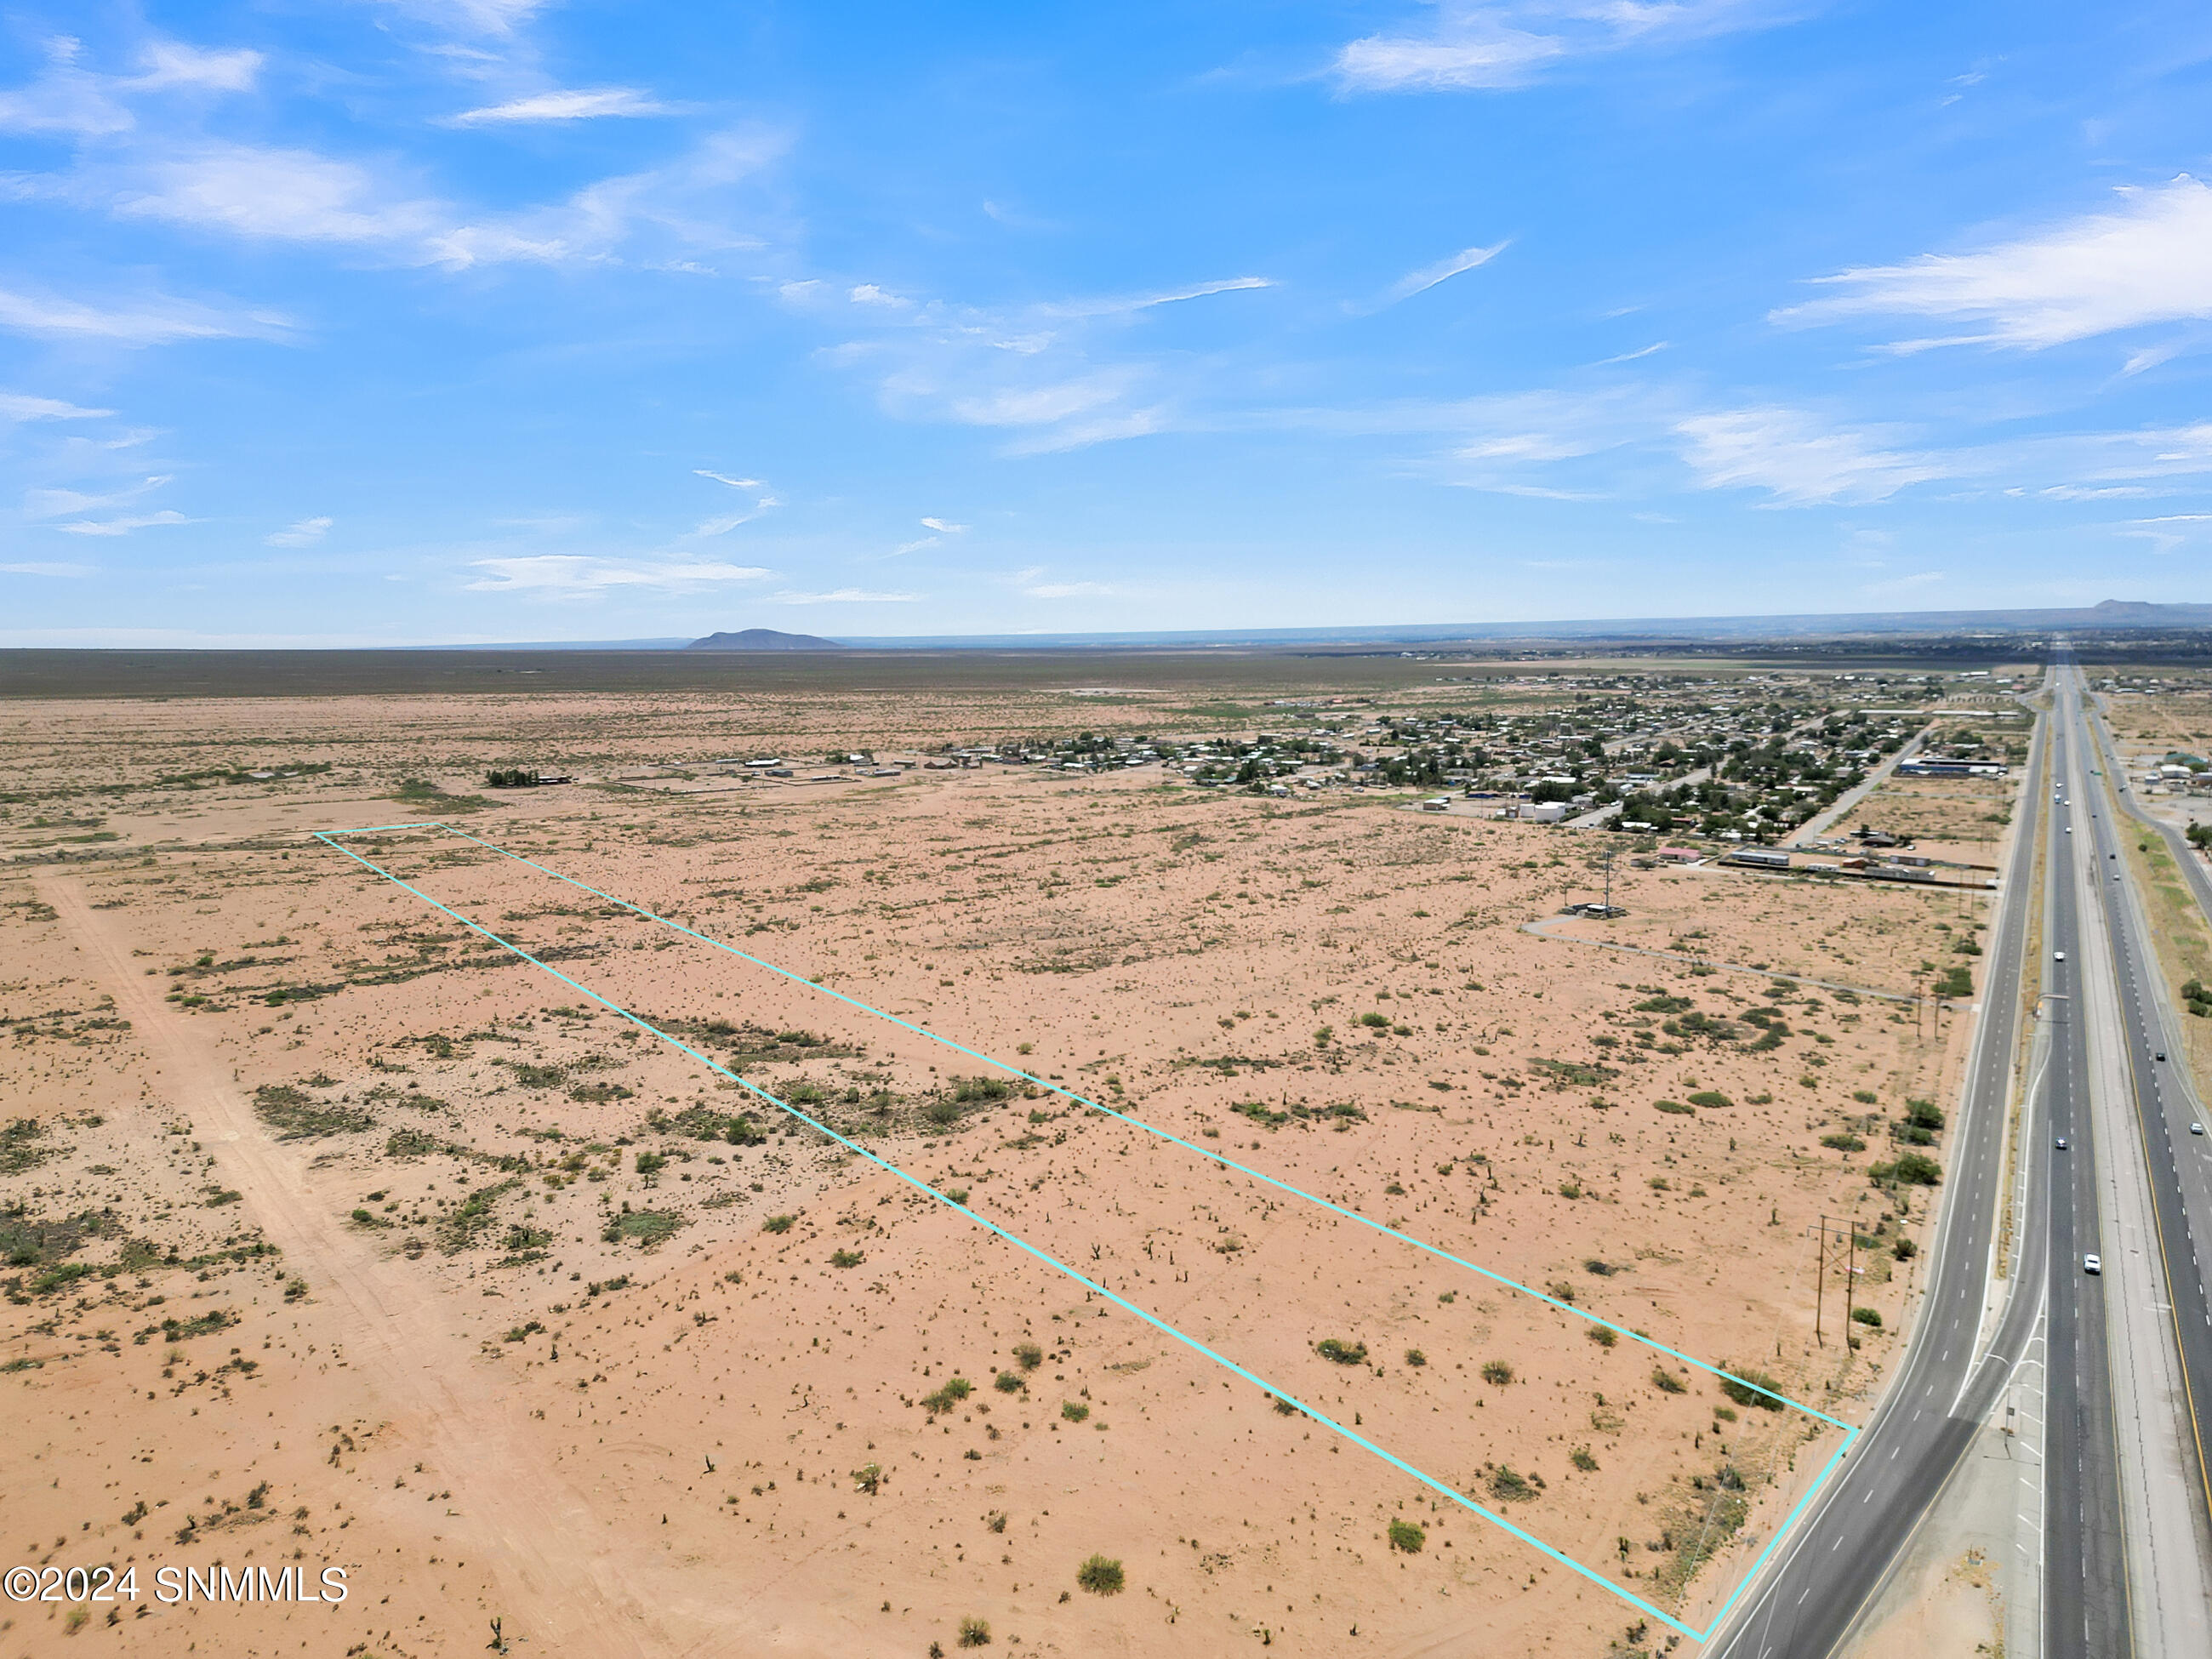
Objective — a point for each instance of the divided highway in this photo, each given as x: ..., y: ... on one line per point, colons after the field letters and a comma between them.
x: 1840, y: 1554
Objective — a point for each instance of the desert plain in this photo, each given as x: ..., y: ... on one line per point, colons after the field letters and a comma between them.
x: 734, y: 1278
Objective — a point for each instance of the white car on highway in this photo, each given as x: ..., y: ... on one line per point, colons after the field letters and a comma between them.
x: 2094, y: 1264
x: 2058, y: 956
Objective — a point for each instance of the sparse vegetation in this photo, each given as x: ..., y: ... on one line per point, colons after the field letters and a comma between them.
x: 1407, y: 1537
x: 1101, y: 1575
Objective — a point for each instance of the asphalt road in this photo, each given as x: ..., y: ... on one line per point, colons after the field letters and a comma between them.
x: 2180, y: 1164
x: 1841, y: 1553
x: 2085, y: 1595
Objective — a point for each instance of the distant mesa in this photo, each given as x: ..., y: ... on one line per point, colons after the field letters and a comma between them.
x: 762, y: 639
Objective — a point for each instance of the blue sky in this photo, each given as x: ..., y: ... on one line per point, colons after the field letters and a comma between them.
x: 410, y: 320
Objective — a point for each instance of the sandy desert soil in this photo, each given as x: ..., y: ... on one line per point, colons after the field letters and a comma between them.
x: 341, y: 1237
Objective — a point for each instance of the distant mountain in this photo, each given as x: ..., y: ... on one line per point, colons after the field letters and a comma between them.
x: 762, y: 639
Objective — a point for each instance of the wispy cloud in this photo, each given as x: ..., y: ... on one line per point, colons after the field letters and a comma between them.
x: 2147, y: 263
x: 1128, y: 304
x: 60, y: 503
x: 1799, y: 459
x: 305, y: 533
x: 573, y: 576
x: 122, y: 526
x: 154, y: 320
x: 563, y: 104
x: 943, y: 529
x: 722, y: 524
x: 1420, y: 281
x: 842, y: 596
x: 1489, y: 46
x: 46, y: 568
x: 1031, y: 584
x: 70, y: 99
x: 16, y: 406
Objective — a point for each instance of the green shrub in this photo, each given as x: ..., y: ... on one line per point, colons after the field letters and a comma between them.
x: 1415, y: 1357
x: 1030, y: 1355
x: 1750, y: 1388
x: 955, y: 1390
x: 1923, y: 1114
x: 1009, y: 1382
x: 1844, y: 1142
x: 1666, y: 1383
x: 847, y: 1259
x: 1604, y: 1335
x: 1405, y: 1535
x: 778, y: 1223
x: 1583, y: 1459
x: 1710, y: 1098
x: 1904, y: 1249
x: 1101, y: 1575
x: 1868, y: 1316
x: 1675, y: 1107
x: 1074, y: 1410
x: 1508, y: 1487
x: 1497, y: 1372
x: 1911, y: 1169
x: 1344, y: 1353
x: 975, y: 1632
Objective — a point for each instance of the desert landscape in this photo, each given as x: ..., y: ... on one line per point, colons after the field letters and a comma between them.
x: 340, y: 1234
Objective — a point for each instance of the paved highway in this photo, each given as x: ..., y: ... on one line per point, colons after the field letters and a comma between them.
x: 2085, y: 1594
x: 1812, y: 1591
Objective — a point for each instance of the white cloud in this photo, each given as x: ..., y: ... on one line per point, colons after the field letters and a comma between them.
x: 573, y: 576
x: 1479, y: 46
x: 59, y: 503
x: 1127, y: 305
x: 867, y: 293
x: 16, y: 406
x: 305, y: 533
x: 37, y: 568
x: 1420, y: 281
x: 722, y: 524
x: 475, y: 17
x: 2148, y: 262
x: 842, y: 596
x: 1798, y: 460
x: 157, y: 320
x: 943, y: 529
x: 904, y: 548
x: 68, y: 98
x: 1071, y: 590
x: 122, y: 526
x: 563, y: 104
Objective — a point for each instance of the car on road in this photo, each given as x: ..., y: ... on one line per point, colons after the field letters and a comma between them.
x: 2060, y: 1143
x: 2093, y: 1264
x: 2197, y: 1128
x: 2058, y: 956
x: 2160, y: 1055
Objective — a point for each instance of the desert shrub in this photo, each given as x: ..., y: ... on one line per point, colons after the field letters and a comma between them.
x: 847, y: 1259
x: 956, y: 1389
x: 997, y: 1521
x: 975, y: 1632
x: 1343, y: 1353
x: 297, y: 1116
x: 1750, y: 1388
x: 1030, y: 1355
x: 778, y: 1223
x: 409, y: 1142
x: 1911, y: 1169
x: 1415, y: 1357
x: 649, y: 1227
x: 1923, y: 1114
x: 1583, y: 1459
x: 1959, y: 981
x: 1604, y: 1335
x: 1508, y: 1487
x: 869, y: 1479
x: 966, y: 1088
x: 1865, y: 1097
x: 1101, y: 1575
x: 1675, y: 1107
x: 1711, y: 1097
x: 943, y: 1111
x: 1571, y: 1189
x: 1405, y: 1535
x: 1009, y: 1382
x: 1844, y: 1142
x: 1868, y: 1316
x: 1497, y: 1372
x: 1666, y: 1383
x: 1904, y: 1249
x: 1602, y: 1269
x: 650, y: 1164
x: 1074, y: 1410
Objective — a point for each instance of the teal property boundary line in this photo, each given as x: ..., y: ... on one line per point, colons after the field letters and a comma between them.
x: 332, y: 839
